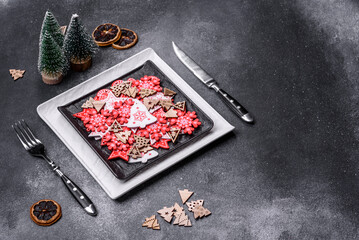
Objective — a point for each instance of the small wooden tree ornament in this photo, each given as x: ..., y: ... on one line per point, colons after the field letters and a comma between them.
x: 188, y: 223
x: 123, y: 136
x: 200, y: 211
x: 131, y: 92
x: 151, y: 222
x: 180, y: 105
x: 150, y: 102
x: 171, y: 113
x: 191, y: 205
x: 166, y: 213
x: 156, y: 225
x: 168, y: 92
x: 146, y: 92
x: 115, y: 127
x: 181, y: 218
x: 118, y: 89
x: 145, y: 149
x: 177, y: 209
x: 16, y: 74
x: 166, y: 103
x: 127, y: 84
x: 185, y: 195
x: 141, y: 141
x: 88, y: 103
x: 98, y: 105
x: 173, y: 133
x: 134, y: 152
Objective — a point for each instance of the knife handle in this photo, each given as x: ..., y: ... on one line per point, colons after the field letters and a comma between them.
x: 78, y: 194
x: 234, y: 105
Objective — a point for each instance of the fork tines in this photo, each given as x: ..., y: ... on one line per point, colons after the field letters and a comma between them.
x: 25, y: 135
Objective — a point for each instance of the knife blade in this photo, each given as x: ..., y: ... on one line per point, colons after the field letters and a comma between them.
x: 209, y: 81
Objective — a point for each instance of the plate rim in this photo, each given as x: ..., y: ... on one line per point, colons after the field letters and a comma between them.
x: 114, y: 187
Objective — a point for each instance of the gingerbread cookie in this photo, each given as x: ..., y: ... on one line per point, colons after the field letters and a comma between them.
x: 45, y: 212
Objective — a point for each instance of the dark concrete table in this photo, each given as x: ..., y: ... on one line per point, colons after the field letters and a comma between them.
x: 293, y: 175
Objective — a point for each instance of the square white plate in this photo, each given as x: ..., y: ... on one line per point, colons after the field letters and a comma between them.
x: 76, y: 144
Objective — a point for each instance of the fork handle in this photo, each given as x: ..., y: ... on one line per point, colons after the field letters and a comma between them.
x: 78, y: 194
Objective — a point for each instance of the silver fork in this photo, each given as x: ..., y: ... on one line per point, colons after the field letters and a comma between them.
x: 35, y: 147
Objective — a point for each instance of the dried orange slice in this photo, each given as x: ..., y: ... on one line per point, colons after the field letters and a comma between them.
x: 106, y: 34
x: 45, y: 212
x: 128, y: 39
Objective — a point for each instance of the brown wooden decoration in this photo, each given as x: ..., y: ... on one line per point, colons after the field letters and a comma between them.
x: 191, y: 205
x: 177, y: 209
x: 185, y: 195
x: 88, y: 103
x: 200, y: 211
x: 171, y: 113
x: 141, y: 141
x: 123, y: 136
x: 188, y: 223
x: 207, y: 212
x: 127, y: 84
x: 183, y: 219
x: 146, y: 92
x: 180, y: 105
x: 166, y: 213
x: 168, y: 92
x: 166, y: 103
x: 197, y: 208
x: 146, y: 149
x: 131, y: 92
x: 98, y: 105
x: 156, y: 225
x: 173, y: 133
x: 151, y: 222
x: 176, y: 221
x: 16, y: 74
x: 121, y: 88
x: 115, y: 127
x: 150, y: 102
x: 117, y: 89
x: 134, y: 152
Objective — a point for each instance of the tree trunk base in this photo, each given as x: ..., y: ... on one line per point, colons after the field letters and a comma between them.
x: 81, y: 66
x: 51, y: 79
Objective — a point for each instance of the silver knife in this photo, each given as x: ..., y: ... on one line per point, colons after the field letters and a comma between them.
x: 211, y: 83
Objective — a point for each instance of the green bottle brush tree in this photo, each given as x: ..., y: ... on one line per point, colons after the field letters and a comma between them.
x: 51, y: 25
x: 79, y: 47
x: 52, y: 63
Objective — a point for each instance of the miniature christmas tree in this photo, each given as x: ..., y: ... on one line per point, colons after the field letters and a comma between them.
x: 52, y: 62
x: 51, y: 25
x: 79, y: 46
